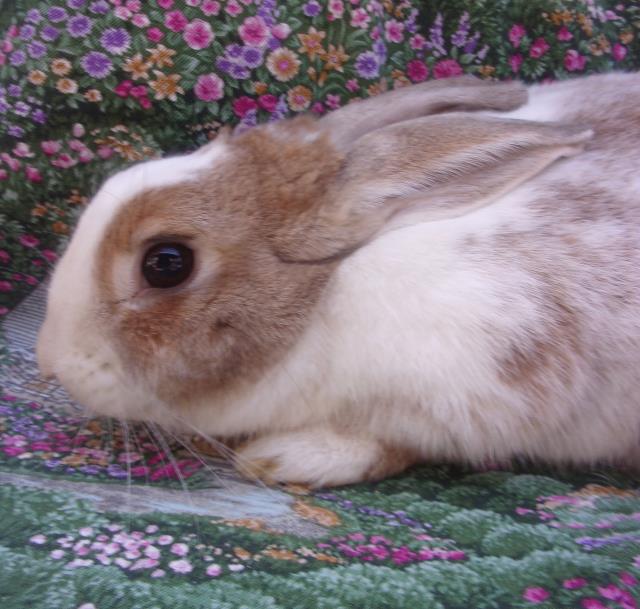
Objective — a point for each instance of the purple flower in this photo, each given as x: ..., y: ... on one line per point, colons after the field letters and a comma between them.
x: 239, y: 72
x: 311, y: 8
x: 27, y: 32
x: 21, y: 109
x: 76, y: 3
x: 436, y: 40
x: 14, y: 90
x: 472, y: 43
x: 380, y: 49
x: 36, y: 49
x: 79, y: 26
x: 15, y: 131
x: 96, y: 64
x: 460, y: 37
x: 224, y: 64
x: 4, y: 106
x: 100, y: 7
x: 57, y: 13
x: 49, y: 33
x: 17, y: 58
x: 116, y: 40
x: 367, y: 65
x: 234, y: 50
x: 34, y: 16
x: 273, y: 43
x: 252, y: 57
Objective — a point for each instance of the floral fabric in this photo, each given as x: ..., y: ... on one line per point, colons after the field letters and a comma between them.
x: 95, y: 515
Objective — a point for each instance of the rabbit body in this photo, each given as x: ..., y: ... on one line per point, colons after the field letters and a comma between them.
x: 512, y: 329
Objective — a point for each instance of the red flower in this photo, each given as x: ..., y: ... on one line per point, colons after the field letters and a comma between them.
x: 573, y: 61
x: 447, y: 68
x: 244, y: 104
x: 538, y: 48
x: 268, y: 102
x: 124, y: 88
x: 417, y: 71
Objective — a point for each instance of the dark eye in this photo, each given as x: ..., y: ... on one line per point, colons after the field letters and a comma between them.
x: 167, y: 265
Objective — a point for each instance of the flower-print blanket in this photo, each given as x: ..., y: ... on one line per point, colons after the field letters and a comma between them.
x: 101, y: 515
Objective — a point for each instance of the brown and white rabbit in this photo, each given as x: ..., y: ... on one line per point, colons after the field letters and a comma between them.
x: 414, y: 277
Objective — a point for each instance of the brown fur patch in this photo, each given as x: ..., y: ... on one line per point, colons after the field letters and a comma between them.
x: 393, y: 460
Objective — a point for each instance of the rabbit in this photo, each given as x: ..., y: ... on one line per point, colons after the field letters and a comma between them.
x: 446, y: 272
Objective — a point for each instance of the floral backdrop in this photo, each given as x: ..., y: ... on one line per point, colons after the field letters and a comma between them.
x: 97, y: 515
x: 87, y: 86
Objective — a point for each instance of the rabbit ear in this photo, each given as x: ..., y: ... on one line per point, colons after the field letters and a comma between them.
x: 465, y: 93
x: 444, y: 166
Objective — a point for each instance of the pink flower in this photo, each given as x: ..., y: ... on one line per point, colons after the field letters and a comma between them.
x: 535, y: 595
x: 244, y: 104
x: 165, y: 4
x: 4, y: 256
x: 333, y: 101
x: 64, y: 161
x: 49, y: 255
x: 336, y: 8
x: 124, y: 88
x: 140, y: 20
x: 57, y: 554
x: 76, y: 145
x: 152, y: 552
x: 360, y: 18
x: 619, y: 51
x: 447, y: 68
x: 181, y: 566
x: 394, y: 30
x: 14, y: 164
x: 122, y: 12
x: 209, y: 87
x: 105, y: 152
x: 144, y: 563
x: 29, y: 240
x: 417, y: 71
x: 3, y: 174
x: 213, y: 570
x: 38, y: 539
x: 352, y: 85
x: 33, y: 175
x: 456, y: 555
x: 281, y: 30
x: 77, y: 130
x: 4, y: 310
x: 158, y: 573
x: 180, y: 549
x: 198, y: 34
x: 145, y: 102
x: 564, y: 34
x: 134, y: 5
x: 254, y: 31
x: 233, y: 8
x: 611, y: 592
x: 628, y: 579
x: 175, y: 21
x: 138, y: 91
x: 210, y: 7
x: 417, y: 42
x: 574, y: 583
x: 268, y: 102
x: 592, y: 603
x: 317, y: 108
x: 516, y: 33
x: 22, y: 150
x: 573, y: 61
x: 515, y: 61
x: 154, y: 34
x: 538, y: 48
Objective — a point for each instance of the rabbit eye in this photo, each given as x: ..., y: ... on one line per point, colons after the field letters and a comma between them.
x: 167, y: 265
